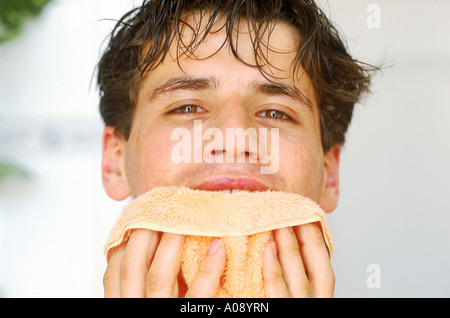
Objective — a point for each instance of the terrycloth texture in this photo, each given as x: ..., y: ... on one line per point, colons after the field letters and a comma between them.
x: 244, y: 221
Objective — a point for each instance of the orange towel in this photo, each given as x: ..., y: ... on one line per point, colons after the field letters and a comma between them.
x: 244, y: 221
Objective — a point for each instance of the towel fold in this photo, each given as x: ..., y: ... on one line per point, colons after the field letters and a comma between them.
x: 244, y: 221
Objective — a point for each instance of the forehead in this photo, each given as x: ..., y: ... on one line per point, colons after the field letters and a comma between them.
x: 222, y: 51
x: 198, y: 36
x: 273, y: 35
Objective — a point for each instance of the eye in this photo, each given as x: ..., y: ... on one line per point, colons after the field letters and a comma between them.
x: 188, y: 109
x: 274, y: 114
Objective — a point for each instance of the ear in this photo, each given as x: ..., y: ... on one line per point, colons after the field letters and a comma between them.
x: 113, y: 165
x: 329, y: 196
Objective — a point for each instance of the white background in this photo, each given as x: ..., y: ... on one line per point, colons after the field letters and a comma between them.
x: 394, y: 209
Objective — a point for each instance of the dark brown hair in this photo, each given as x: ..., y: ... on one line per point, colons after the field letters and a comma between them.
x: 338, y: 79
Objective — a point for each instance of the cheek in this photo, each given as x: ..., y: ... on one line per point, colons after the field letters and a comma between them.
x: 149, y: 161
x: 301, y: 167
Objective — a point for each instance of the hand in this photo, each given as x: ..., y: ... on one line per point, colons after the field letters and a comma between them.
x: 149, y: 264
x: 296, y: 264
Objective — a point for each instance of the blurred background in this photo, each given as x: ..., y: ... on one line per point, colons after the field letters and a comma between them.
x: 391, y: 229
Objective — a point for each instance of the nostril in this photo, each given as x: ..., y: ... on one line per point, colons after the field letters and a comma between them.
x: 221, y: 152
x: 217, y: 152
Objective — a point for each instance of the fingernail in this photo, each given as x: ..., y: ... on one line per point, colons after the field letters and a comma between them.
x: 213, y: 247
x: 290, y: 229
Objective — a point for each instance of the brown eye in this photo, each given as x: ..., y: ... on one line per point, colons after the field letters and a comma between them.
x: 188, y: 109
x: 274, y: 114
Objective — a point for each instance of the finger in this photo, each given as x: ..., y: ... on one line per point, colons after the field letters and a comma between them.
x: 207, y: 281
x: 111, y: 278
x: 162, y: 277
x: 291, y: 263
x: 274, y: 285
x: 316, y: 260
x: 135, y: 263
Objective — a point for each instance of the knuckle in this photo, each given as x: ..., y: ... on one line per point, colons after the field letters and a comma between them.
x: 273, y: 275
x: 205, y: 271
x: 293, y: 247
x: 157, y: 281
x: 128, y: 269
x: 332, y: 278
x: 327, y: 278
x: 107, y: 277
x: 309, y: 234
x: 158, y: 285
x: 154, y: 281
x: 124, y: 269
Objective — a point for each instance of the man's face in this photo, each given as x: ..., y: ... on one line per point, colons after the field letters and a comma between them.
x: 218, y: 92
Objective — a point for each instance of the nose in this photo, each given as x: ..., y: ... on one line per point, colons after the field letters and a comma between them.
x: 239, y: 142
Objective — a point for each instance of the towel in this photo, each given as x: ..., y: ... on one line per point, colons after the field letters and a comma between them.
x: 244, y: 221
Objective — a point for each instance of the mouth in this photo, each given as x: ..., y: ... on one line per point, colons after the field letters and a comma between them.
x: 232, y: 185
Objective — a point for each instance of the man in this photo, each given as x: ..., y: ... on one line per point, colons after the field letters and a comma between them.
x: 237, y: 64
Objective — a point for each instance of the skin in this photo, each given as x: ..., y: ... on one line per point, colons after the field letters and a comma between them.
x: 296, y: 262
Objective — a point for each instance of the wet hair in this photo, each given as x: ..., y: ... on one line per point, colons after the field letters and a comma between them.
x: 141, y: 40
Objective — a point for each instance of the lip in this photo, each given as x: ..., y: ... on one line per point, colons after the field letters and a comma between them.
x: 229, y: 183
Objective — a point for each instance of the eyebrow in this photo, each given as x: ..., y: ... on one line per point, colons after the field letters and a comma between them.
x: 274, y: 89
x: 185, y: 83
x: 207, y: 83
